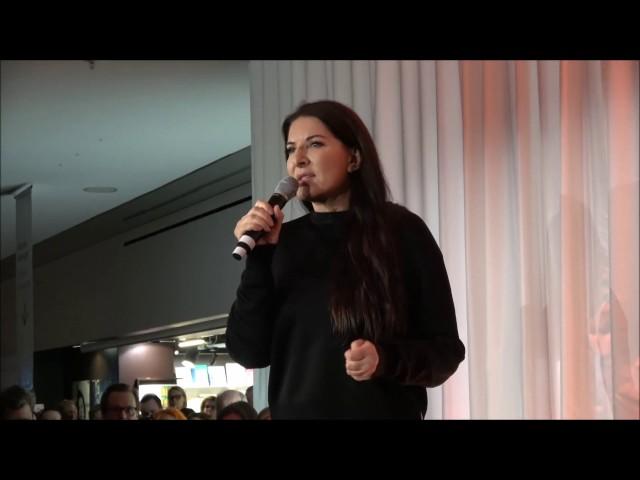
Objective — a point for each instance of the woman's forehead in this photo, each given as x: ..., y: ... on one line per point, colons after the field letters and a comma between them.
x: 304, y: 127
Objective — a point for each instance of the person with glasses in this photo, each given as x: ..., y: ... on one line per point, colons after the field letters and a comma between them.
x: 178, y: 399
x: 119, y: 403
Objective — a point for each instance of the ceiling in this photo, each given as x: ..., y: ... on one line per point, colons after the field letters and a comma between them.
x: 132, y: 125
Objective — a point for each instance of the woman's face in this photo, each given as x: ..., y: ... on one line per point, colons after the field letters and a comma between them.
x: 209, y: 409
x: 320, y: 162
x: 177, y: 400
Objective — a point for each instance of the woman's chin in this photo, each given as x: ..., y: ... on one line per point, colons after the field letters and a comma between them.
x: 304, y: 194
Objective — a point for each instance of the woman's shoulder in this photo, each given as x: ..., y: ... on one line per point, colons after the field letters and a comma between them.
x: 401, y: 214
x: 410, y: 226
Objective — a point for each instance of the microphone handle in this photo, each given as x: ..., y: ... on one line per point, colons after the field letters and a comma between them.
x: 248, y: 240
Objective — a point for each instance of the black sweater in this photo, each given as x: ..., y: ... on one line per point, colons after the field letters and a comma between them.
x: 281, y: 318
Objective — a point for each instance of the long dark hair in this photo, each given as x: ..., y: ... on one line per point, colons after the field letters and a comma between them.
x: 366, y: 298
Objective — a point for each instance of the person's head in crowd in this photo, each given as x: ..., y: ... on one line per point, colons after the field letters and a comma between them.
x: 238, y: 411
x: 227, y: 398
x: 265, y: 414
x: 177, y: 397
x: 68, y: 410
x: 170, y: 413
x: 95, y: 413
x: 249, y: 395
x: 149, y: 405
x: 119, y: 403
x: 208, y: 407
x: 16, y: 404
x: 50, y: 414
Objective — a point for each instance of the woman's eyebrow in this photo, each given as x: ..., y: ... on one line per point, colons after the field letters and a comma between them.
x: 308, y: 138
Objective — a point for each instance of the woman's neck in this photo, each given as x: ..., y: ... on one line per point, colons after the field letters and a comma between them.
x: 335, y: 204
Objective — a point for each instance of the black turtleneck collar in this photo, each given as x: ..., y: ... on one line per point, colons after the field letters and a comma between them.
x: 325, y: 218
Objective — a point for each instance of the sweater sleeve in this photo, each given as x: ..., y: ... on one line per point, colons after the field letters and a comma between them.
x: 432, y: 350
x: 251, y: 317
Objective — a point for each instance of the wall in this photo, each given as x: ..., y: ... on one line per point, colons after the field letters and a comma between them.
x: 145, y: 360
x: 109, y: 290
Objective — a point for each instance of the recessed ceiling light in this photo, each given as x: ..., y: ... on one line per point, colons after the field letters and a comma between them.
x: 100, y: 189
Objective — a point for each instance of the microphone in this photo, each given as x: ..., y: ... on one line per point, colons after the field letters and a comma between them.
x: 285, y: 190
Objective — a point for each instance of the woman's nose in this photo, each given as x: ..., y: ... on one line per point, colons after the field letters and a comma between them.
x: 300, y: 156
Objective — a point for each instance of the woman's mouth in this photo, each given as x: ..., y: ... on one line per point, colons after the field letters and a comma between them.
x: 304, y: 179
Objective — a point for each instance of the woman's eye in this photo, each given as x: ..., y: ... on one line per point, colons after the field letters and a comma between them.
x: 316, y: 144
x: 289, y: 151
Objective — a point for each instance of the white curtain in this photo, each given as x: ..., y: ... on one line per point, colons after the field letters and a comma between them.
x: 526, y: 173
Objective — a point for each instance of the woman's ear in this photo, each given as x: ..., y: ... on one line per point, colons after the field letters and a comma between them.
x: 354, y: 162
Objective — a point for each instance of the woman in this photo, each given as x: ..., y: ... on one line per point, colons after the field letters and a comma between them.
x: 350, y: 305
x: 178, y: 400
x: 208, y: 408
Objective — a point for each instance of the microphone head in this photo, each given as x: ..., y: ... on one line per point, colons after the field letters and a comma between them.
x: 287, y: 187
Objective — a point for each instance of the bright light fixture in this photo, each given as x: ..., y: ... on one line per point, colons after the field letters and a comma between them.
x: 191, y: 343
